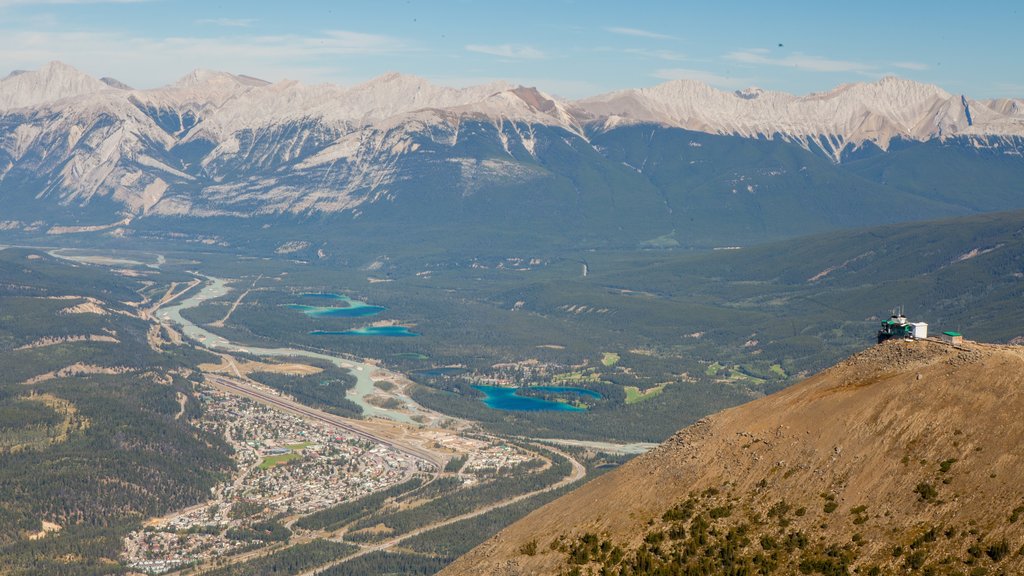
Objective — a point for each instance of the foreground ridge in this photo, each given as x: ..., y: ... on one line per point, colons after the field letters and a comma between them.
x: 902, y: 457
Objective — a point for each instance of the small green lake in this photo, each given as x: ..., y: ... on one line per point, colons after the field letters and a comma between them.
x: 503, y: 398
x: 349, y: 308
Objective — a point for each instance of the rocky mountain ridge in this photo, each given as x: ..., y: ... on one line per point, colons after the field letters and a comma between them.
x: 900, y: 459
x: 77, y: 150
x: 849, y: 115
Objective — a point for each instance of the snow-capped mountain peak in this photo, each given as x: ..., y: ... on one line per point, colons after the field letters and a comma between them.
x: 201, y: 77
x: 53, y: 81
x: 239, y: 145
x: 832, y: 121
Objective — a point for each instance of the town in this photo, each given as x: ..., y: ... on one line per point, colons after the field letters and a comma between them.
x: 287, y: 467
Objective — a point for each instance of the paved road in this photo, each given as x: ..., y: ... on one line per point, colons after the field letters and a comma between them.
x: 610, y: 447
x: 578, y: 472
x: 242, y: 388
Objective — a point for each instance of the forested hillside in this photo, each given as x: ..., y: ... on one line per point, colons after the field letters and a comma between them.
x: 95, y: 431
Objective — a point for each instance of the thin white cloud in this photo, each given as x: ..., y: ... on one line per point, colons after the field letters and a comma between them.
x: 639, y: 33
x: 702, y: 76
x: 348, y: 42
x: 148, y: 62
x: 228, y: 22
x: 513, y: 51
x: 796, y: 60
x: 1009, y: 90
x: 911, y: 65
x: 669, y: 55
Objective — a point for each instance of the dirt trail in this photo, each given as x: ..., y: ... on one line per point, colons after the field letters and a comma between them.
x: 234, y: 306
x: 171, y: 295
x: 182, y: 401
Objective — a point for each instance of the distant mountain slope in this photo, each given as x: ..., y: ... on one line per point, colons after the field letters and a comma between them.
x: 833, y: 122
x: 681, y: 159
x: 902, y: 459
x: 823, y: 294
x: 54, y: 81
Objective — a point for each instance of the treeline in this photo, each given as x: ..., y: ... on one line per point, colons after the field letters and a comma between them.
x: 339, y: 515
x: 324, y: 390
x: 30, y: 272
x: 291, y: 560
x: 699, y: 538
x: 131, y: 460
x: 456, y: 539
x: 435, y: 549
x: 388, y: 563
x: 456, y: 464
x: 40, y: 316
x: 451, y: 504
x: 266, y: 531
x: 75, y: 551
x: 128, y: 450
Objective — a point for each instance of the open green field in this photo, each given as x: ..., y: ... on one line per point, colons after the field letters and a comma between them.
x: 278, y: 459
x: 634, y: 394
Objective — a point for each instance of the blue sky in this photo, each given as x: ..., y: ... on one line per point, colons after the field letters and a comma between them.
x: 565, y: 47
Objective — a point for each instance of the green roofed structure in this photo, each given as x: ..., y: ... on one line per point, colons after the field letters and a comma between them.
x: 898, y: 327
x: 953, y: 337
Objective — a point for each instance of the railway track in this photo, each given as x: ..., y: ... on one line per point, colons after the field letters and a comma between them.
x: 324, y: 417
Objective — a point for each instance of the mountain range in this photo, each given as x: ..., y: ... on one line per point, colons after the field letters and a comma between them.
x: 681, y: 161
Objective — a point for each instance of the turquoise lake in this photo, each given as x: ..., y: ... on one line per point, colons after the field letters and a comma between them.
x: 391, y: 331
x: 351, y: 309
x: 501, y: 398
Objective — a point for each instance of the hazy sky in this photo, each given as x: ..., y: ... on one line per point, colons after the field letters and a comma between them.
x: 565, y: 47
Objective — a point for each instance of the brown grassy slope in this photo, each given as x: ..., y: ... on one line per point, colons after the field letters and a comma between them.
x: 866, y: 432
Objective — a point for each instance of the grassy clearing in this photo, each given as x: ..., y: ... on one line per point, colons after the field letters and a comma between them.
x: 299, y: 446
x: 738, y: 376
x: 610, y: 359
x: 271, y: 461
x: 634, y: 394
x: 777, y: 369
x: 588, y: 375
x: 736, y: 373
